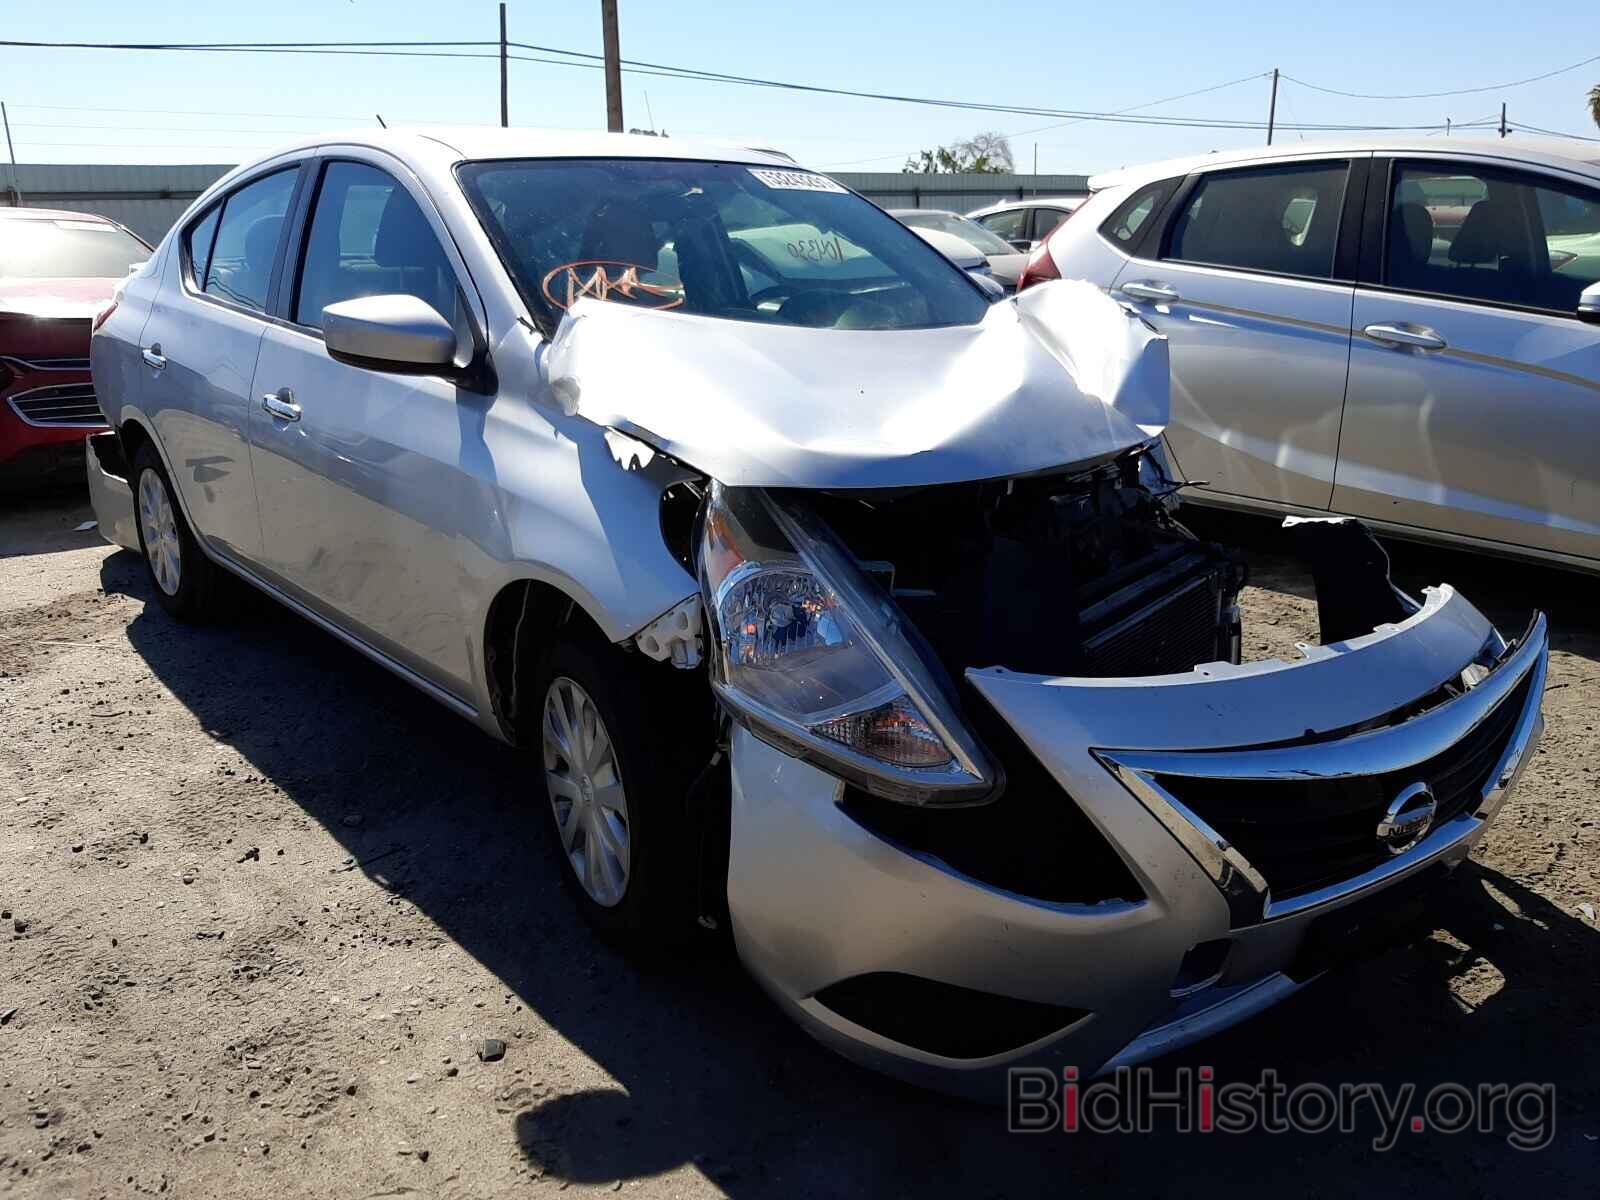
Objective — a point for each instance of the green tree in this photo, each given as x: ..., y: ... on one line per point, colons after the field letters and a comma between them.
x: 1594, y: 103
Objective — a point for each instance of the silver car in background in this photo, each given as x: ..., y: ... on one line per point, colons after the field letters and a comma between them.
x: 832, y: 604
x: 1004, y: 262
x: 1406, y: 331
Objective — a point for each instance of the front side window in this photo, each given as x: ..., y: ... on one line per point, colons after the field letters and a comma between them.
x: 67, y: 248
x: 745, y: 243
x: 1491, y: 236
x: 369, y: 238
x: 240, y: 267
x: 1284, y: 220
x: 1012, y: 224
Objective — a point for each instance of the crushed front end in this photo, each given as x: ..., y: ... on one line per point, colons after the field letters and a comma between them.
x: 1003, y: 794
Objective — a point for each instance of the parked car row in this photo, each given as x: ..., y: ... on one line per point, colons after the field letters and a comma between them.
x: 1407, y: 332
x: 834, y: 603
x: 57, y: 270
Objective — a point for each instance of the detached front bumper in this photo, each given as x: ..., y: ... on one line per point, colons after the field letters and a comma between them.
x: 1185, y: 776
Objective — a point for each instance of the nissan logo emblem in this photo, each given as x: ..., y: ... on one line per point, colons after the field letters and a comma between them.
x: 1408, y: 819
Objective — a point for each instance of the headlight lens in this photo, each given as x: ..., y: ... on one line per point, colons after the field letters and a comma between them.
x: 809, y: 654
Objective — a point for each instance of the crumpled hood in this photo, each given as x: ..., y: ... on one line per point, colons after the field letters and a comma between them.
x: 54, y: 299
x: 1060, y: 376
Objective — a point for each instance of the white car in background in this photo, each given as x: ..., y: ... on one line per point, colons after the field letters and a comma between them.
x: 1405, y: 331
x: 1004, y: 262
x: 1025, y: 223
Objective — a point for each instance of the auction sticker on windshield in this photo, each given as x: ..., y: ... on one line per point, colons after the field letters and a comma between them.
x: 796, y: 181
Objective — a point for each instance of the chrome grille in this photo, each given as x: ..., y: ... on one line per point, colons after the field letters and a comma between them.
x: 60, y: 404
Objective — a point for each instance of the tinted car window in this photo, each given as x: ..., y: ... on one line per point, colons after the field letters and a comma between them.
x: 369, y: 238
x: 1486, y: 235
x: 779, y: 246
x: 1012, y: 224
x: 198, y: 242
x: 1045, y: 220
x: 240, y: 269
x: 1279, y: 219
x: 1129, y: 218
x: 64, y: 248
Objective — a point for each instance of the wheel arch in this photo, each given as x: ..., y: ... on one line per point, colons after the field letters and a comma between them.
x: 525, y: 616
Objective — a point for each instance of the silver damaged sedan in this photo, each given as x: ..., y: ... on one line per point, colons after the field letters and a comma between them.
x: 833, y: 605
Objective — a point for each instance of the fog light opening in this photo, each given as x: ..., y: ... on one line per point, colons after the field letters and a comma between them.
x: 1201, y: 966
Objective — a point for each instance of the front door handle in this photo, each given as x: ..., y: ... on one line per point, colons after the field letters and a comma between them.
x: 281, y: 405
x: 1150, y: 290
x: 1402, y: 334
x: 153, y: 358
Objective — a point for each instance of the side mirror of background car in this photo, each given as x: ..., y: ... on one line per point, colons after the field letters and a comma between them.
x: 1589, y: 304
x: 389, y: 333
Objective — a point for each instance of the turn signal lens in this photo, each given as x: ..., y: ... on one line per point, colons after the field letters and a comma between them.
x: 101, y: 317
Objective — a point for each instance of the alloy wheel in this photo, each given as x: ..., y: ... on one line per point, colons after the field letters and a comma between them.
x: 160, y: 528
x: 586, y: 792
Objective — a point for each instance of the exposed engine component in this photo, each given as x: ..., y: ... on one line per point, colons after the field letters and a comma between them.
x: 1084, y: 574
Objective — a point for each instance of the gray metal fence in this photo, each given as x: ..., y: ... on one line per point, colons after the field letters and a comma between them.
x: 145, y: 198
x: 958, y: 193
x: 149, y: 198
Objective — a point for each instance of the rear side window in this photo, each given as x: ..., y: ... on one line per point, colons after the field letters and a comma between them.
x: 369, y: 238
x: 1045, y: 220
x: 1501, y: 237
x: 1284, y: 220
x: 1132, y: 217
x: 246, y: 245
x: 197, y: 244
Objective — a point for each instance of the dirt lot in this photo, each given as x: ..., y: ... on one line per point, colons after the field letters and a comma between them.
x: 260, y: 903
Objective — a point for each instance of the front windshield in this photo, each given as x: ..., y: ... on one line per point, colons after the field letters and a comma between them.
x: 747, y: 243
x: 67, y: 248
x: 971, y: 232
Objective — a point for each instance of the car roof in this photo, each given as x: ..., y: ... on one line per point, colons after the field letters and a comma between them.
x: 1030, y: 202
x: 455, y: 143
x: 51, y: 214
x: 1580, y: 157
x: 922, y: 212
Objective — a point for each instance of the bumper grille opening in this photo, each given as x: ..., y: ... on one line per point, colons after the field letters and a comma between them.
x: 1305, y: 834
x: 941, y: 1018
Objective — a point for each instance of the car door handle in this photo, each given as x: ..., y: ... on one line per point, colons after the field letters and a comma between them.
x: 153, y: 358
x: 1419, y: 336
x: 1158, y: 292
x: 281, y: 405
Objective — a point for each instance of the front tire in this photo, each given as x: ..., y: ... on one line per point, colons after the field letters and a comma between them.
x: 615, y: 784
x: 185, y: 580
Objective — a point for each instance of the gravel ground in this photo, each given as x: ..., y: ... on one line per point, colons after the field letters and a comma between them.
x: 261, y: 904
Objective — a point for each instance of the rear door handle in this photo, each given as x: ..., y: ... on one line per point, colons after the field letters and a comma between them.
x: 281, y: 405
x: 1150, y: 290
x: 1400, y: 334
x: 153, y: 358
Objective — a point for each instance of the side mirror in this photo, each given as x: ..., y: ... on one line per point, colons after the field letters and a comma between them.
x: 389, y: 333
x: 1589, y: 304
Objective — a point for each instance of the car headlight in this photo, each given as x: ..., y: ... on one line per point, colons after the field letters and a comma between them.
x: 813, y: 657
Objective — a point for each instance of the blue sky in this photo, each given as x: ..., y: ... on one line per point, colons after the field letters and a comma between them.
x: 86, y: 106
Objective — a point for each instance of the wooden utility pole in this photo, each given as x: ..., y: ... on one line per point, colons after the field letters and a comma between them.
x: 1502, y: 118
x: 1272, y: 108
x: 608, y: 31
x: 505, y: 108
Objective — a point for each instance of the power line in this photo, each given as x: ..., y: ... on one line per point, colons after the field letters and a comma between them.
x: 1577, y: 137
x: 1493, y: 87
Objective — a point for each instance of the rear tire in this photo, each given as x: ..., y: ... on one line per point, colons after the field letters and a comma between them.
x: 614, y: 769
x: 184, y: 579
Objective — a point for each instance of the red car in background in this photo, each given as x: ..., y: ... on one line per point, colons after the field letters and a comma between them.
x: 57, y: 271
